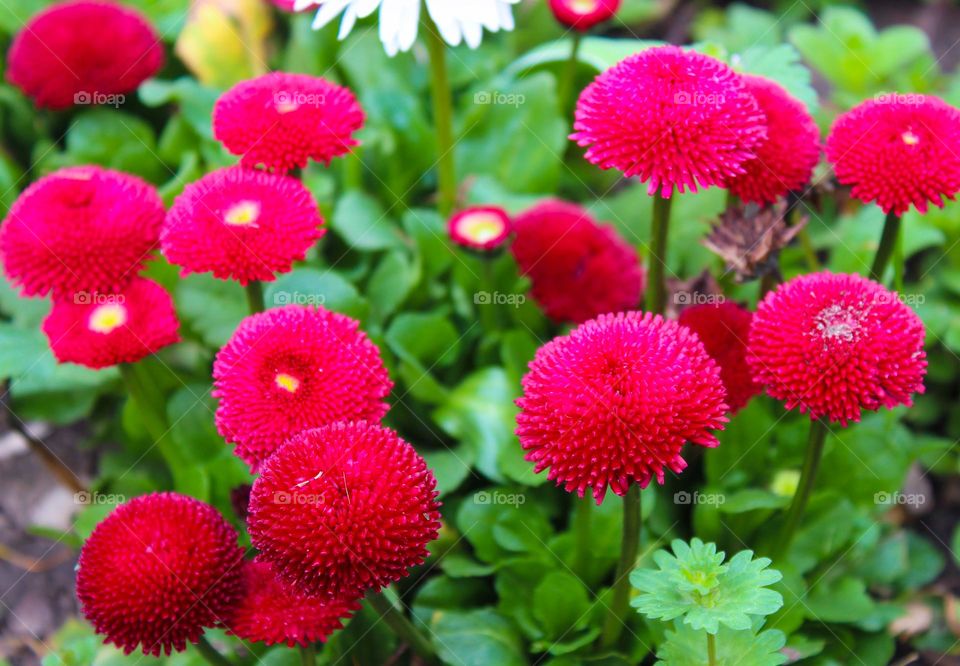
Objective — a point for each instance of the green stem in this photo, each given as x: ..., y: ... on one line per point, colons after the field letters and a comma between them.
x: 569, y: 74
x: 768, y: 283
x: 582, y: 517
x: 899, y: 264
x: 308, y: 655
x: 711, y: 650
x: 809, y: 252
x: 255, y: 296
x: 629, y: 547
x: 149, y: 401
x: 442, y: 117
x: 657, y: 287
x: 403, y: 627
x: 891, y: 230
x: 210, y: 654
x: 808, y: 476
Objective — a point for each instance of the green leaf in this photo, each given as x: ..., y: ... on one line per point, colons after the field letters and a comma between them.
x: 391, y: 283
x: 782, y: 64
x: 560, y: 603
x: 117, y: 140
x: 693, y: 583
x: 514, y: 133
x: 428, y: 338
x: 480, y: 412
x: 363, y: 224
x: 686, y: 646
x: 315, y: 287
x: 477, y: 638
x: 596, y: 53
x: 194, y: 99
x: 845, y: 600
x: 215, y: 325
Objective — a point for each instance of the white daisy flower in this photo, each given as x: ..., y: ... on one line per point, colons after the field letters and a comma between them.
x: 457, y: 20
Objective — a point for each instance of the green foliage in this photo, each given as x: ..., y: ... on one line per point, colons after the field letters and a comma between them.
x: 696, y: 585
x: 685, y: 646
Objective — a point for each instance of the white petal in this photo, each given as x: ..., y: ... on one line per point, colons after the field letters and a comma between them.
x: 348, y: 22
x: 472, y: 34
x: 328, y: 11
x: 399, y: 20
x: 444, y: 14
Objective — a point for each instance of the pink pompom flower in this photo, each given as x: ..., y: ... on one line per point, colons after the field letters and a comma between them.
x: 483, y: 228
x: 834, y: 345
x: 584, y: 14
x: 613, y: 402
x: 676, y: 119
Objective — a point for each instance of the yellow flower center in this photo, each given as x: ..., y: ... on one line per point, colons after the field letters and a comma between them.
x: 243, y: 214
x: 584, y: 6
x: 481, y: 227
x: 107, y: 318
x: 910, y: 138
x: 288, y: 383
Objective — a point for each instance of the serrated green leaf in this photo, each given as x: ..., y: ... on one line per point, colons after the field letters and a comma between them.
x: 687, y: 647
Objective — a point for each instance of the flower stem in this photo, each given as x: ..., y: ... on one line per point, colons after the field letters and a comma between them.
x: 569, y: 74
x: 888, y: 241
x: 711, y: 650
x: 443, y: 118
x: 255, y: 296
x: 768, y: 283
x: 151, y: 406
x: 899, y: 265
x: 808, y: 476
x: 210, y: 654
x: 629, y: 547
x: 403, y: 627
x: 308, y: 655
x: 656, y: 287
x: 582, y: 517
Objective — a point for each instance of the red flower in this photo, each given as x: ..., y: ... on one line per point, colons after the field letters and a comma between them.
x: 272, y: 612
x: 578, y: 269
x: 786, y: 160
x: 480, y: 228
x: 81, y: 229
x: 101, y: 330
x: 241, y: 224
x: 832, y: 345
x: 294, y: 368
x: 898, y: 150
x: 156, y: 571
x: 724, y: 329
x: 282, y: 120
x: 83, y: 52
x: 583, y: 14
x: 344, y: 509
x: 675, y: 118
x: 613, y: 402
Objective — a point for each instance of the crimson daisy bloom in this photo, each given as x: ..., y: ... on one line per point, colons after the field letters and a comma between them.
x: 786, y: 160
x: 281, y: 120
x: 583, y: 14
x: 898, y: 151
x: 676, y: 119
x: 578, y: 268
x: 344, y: 509
x: 80, y: 229
x: 613, y: 403
x: 83, y: 52
x: 102, y: 330
x: 273, y: 612
x: 483, y: 228
x: 241, y: 224
x: 833, y: 345
x: 724, y: 329
x: 293, y: 368
x: 157, y: 571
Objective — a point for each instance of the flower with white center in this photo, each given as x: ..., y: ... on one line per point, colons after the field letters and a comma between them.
x: 457, y: 20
